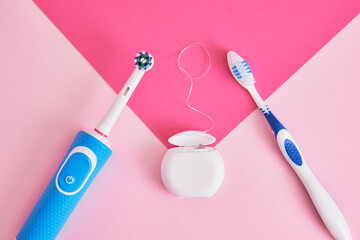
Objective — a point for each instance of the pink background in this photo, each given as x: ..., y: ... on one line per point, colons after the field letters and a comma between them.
x: 275, y: 37
x: 49, y: 91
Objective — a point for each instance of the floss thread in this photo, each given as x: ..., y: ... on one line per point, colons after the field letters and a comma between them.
x: 185, y: 73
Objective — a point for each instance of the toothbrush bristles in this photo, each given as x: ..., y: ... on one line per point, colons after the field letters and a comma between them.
x: 240, y: 69
x: 144, y: 61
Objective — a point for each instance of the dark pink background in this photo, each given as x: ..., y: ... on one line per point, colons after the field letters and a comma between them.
x: 275, y: 37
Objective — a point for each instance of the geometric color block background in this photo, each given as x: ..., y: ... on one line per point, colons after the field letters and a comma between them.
x: 48, y: 92
x: 275, y: 37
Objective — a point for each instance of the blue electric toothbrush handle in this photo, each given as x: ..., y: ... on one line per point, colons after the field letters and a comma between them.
x: 325, y: 205
x: 81, y: 164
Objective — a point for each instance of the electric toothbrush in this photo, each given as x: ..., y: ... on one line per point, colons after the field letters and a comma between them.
x: 326, y: 207
x: 85, y: 158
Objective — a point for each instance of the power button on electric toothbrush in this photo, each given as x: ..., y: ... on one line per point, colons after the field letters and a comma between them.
x: 76, y: 170
x: 69, y: 179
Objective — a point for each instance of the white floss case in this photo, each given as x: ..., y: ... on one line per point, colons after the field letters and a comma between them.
x: 192, y: 169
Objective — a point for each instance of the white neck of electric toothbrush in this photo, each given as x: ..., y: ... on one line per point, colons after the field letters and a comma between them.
x: 118, y: 105
x: 258, y: 100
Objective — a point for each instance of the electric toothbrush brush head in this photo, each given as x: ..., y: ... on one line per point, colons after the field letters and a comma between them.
x: 143, y: 63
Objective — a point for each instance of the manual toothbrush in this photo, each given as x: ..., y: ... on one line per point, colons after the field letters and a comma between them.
x: 326, y: 207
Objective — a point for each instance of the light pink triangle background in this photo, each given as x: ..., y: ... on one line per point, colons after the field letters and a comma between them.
x: 49, y: 91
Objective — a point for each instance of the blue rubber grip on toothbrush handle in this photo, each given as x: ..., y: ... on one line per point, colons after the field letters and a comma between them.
x: 291, y: 150
x: 274, y: 123
x: 54, y: 207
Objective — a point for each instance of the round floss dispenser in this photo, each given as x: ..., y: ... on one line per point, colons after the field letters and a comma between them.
x: 192, y: 169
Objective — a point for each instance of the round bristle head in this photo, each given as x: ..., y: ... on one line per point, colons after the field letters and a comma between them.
x: 144, y: 61
x: 240, y: 69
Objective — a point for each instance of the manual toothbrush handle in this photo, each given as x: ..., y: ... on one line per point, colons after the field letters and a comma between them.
x: 325, y: 205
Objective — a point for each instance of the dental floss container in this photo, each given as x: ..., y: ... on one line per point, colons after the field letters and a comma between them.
x: 192, y: 169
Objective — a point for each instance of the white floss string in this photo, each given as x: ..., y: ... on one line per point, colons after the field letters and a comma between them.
x: 184, y: 72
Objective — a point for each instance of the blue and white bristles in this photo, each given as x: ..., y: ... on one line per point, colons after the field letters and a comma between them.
x: 240, y: 69
x: 143, y: 60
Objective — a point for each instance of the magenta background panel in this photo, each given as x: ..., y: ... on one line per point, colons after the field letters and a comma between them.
x: 275, y: 37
